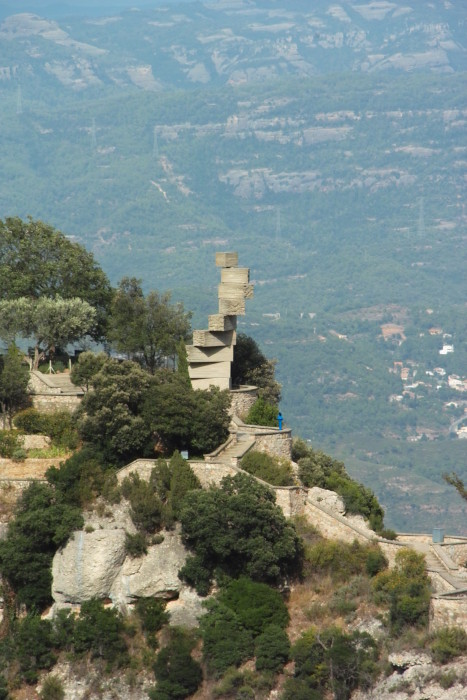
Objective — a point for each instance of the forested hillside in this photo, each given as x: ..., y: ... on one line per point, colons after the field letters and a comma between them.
x: 326, y: 145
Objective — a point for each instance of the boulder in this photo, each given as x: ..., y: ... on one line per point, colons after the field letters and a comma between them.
x: 155, y: 574
x: 327, y: 499
x: 187, y: 609
x: 88, y: 565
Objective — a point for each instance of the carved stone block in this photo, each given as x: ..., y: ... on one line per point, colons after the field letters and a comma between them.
x: 223, y: 354
x: 226, y: 259
x: 209, y: 370
x: 219, y: 322
x: 232, y: 307
x: 235, y: 275
x: 209, y: 339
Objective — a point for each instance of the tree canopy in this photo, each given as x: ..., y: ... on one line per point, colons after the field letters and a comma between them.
x: 50, y: 322
x: 239, y: 530
x: 42, y: 524
x: 146, y: 328
x: 130, y: 411
x: 38, y: 261
x: 251, y: 366
x: 14, y: 377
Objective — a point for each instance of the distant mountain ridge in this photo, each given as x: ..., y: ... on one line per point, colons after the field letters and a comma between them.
x: 230, y: 43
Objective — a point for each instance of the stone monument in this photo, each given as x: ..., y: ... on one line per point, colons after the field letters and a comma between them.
x: 210, y: 356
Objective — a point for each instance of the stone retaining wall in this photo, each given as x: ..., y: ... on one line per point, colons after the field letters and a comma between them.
x: 242, y: 399
x: 48, y: 403
x: 448, y: 613
x: 271, y: 440
x: 457, y: 552
x: 291, y: 499
x: 211, y: 474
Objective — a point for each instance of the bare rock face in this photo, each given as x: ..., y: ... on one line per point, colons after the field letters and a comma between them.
x: 88, y: 565
x: 187, y: 609
x: 327, y: 499
x: 155, y: 574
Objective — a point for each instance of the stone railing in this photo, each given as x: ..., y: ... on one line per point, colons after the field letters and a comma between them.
x: 271, y: 440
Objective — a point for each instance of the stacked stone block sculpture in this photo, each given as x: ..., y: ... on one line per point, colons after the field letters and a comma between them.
x: 210, y: 356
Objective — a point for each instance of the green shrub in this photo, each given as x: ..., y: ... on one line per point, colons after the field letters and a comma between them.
x: 375, y: 562
x: 406, y: 588
x: 238, y: 529
x: 225, y: 641
x: 182, y: 480
x: 100, y: 630
x: 19, y: 455
x: 52, y: 689
x: 357, y: 499
x: 178, y: 675
x: 63, y: 629
x: 42, y: 525
x: 243, y: 685
x: 145, y: 504
x: 34, y: 646
x: 273, y: 470
x: 151, y: 612
x: 337, y: 559
x: 136, y: 545
x: 9, y: 443
x: 272, y: 649
x: 316, y: 467
x: 447, y: 680
x: 262, y: 413
x: 80, y: 479
x: 331, y: 660
x: 4, y: 695
x: 32, y: 422
x: 256, y: 605
x: 59, y: 426
x: 61, y: 429
x: 448, y: 643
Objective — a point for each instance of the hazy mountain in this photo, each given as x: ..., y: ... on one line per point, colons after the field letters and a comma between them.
x: 326, y: 145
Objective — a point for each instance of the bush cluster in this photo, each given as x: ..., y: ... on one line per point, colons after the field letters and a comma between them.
x: 318, y: 469
x: 59, y: 426
x: 245, y: 619
x: 341, y: 560
x: 448, y: 643
x: 331, y: 661
x: 33, y: 644
x: 10, y: 443
x: 237, y: 530
x: 43, y: 523
x: 406, y: 589
x: 156, y: 503
x: 177, y: 674
x: 274, y: 470
x: 262, y: 413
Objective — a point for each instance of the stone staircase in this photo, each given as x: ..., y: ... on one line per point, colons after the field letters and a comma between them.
x: 440, y: 563
x: 236, y: 449
x: 59, y: 383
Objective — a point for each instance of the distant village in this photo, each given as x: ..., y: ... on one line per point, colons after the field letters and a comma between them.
x: 416, y: 379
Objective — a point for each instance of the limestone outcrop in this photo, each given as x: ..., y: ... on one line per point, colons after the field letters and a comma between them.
x: 94, y: 564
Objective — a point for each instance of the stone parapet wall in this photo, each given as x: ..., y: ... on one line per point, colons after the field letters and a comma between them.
x: 330, y: 527
x: 291, y: 499
x: 278, y: 444
x: 142, y: 467
x: 456, y: 551
x: 242, y: 399
x: 211, y: 474
x: 448, y: 613
x: 49, y: 403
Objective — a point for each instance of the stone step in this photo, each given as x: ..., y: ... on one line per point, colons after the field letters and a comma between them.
x: 212, y: 339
